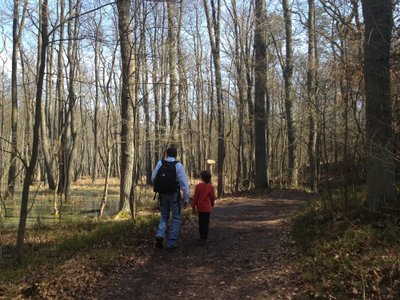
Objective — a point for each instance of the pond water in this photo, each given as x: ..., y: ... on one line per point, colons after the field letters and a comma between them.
x: 42, y: 209
x: 84, y: 202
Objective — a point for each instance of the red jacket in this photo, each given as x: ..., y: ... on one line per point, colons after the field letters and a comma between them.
x: 204, y: 197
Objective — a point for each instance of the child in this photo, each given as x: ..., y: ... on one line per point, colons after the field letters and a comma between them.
x: 203, y: 200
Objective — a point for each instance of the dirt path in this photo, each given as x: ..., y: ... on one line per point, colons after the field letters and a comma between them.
x: 248, y: 256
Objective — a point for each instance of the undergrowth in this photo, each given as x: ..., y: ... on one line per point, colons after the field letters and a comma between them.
x: 347, y: 253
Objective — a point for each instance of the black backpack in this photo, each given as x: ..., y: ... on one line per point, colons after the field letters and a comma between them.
x: 166, y: 181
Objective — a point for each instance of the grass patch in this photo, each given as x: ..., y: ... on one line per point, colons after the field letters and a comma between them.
x: 78, y: 250
x: 346, y: 252
x: 57, y: 243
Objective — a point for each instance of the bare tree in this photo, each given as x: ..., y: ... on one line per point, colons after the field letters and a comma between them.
x: 241, y: 31
x: 213, y: 26
x: 261, y: 163
x: 107, y: 131
x: 127, y: 102
x: 70, y: 132
x: 60, y: 102
x: 96, y: 46
x: 30, y: 168
x: 146, y: 108
x: 156, y: 87
x: 171, y: 44
x: 48, y: 156
x: 312, y: 97
x: 381, y: 189
x: 17, y: 31
x: 2, y: 97
x: 164, y: 74
x: 249, y: 63
x: 67, y: 118
x: 182, y: 86
x: 288, y: 77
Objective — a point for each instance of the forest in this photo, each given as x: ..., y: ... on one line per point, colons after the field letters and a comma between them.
x: 270, y: 96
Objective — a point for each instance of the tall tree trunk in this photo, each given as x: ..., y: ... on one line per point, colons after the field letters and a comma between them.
x: 213, y: 26
x: 14, y: 104
x: 148, y: 151
x: 240, y: 72
x: 156, y: 93
x: 96, y: 101
x: 312, y: 98
x: 260, y: 48
x: 107, y: 148
x: 107, y: 137
x: 29, y: 107
x: 47, y: 116
x: 345, y: 95
x: 48, y: 157
x: 36, y: 127
x: 17, y: 31
x: 381, y: 189
x: 250, y: 109
x: 288, y: 77
x: 182, y: 87
x: 171, y: 44
x: 147, y: 125
x: 127, y: 101
x: 71, y: 133
x: 163, y: 72
x: 2, y: 97
x: 61, y: 104
x: 210, y: 110
x: 199, y: 95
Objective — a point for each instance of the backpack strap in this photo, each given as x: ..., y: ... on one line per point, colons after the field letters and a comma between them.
x: 164, y: 161
x: 176, y: 173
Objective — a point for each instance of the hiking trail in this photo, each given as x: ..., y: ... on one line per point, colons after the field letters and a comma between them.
x: 249, y: 255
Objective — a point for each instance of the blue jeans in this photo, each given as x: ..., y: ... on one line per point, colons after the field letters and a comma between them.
x: 170, y: 203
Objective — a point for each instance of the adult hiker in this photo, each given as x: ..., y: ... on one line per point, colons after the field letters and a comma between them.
x: 169, y: 178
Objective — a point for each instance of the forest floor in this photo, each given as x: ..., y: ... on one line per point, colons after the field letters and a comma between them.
x: 256, y: 250
x: 249, y: 255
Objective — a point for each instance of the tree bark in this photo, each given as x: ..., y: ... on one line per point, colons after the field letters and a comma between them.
x: 381, y: 189
x: 260, y: 118
x: 96, y: 100
x: 240, y: 71
x: 71, y: 133
x: 108, y: 146
x: 163, y: 72
x: 48, y: 157
x: 213, y: 27
x: 127, y: 101
x: 47, y: 115
x: 36, y: 127
x: 171, y: 44
x: 61, y: 105
x: 2, y: 97
x: 145, y: 80
x: 156, y: 92
x: 288, y: 77
x: 250, y: 109
x: 182, y: 87
x: 312, y: 98
x: 17, y: 31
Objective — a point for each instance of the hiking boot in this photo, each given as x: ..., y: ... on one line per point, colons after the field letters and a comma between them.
x: 159, y: 242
